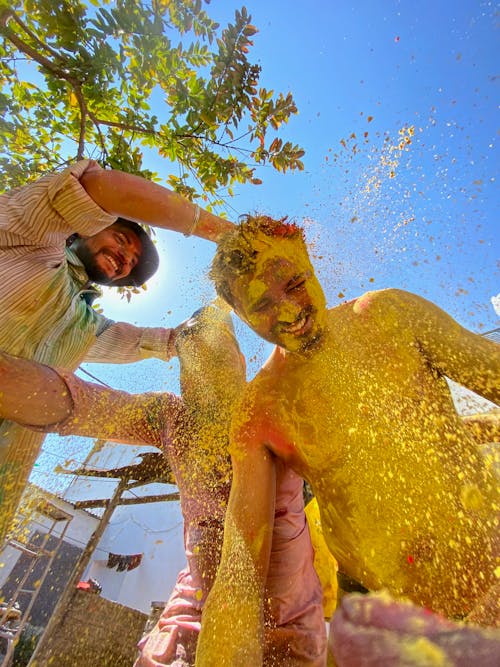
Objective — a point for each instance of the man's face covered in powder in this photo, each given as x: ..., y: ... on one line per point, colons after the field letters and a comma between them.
x: 282, y: 300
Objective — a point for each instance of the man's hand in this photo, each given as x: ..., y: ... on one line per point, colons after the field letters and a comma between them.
x: 205, y: 324
x: 185, y: 331
x: 382, y: 632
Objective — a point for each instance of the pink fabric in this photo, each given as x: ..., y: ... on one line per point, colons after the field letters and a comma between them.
x: 295, y: 629
x: 175, y: 635
x: 379, y: 631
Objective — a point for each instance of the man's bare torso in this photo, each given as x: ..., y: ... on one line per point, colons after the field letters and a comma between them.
x: 405, y: 499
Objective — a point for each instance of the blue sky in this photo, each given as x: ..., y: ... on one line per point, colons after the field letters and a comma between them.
x: 422, y: 218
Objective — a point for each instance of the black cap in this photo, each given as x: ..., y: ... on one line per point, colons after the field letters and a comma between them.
x: 148, y: 261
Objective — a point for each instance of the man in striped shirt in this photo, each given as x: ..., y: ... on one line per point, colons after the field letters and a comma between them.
x: 47, y: 286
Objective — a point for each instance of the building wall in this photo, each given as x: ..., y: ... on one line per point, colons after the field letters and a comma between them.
x: 53, y: 585
x: 94, y: 633
x: 152, y: 529
x: 78, y: 532
x: 14, y: 563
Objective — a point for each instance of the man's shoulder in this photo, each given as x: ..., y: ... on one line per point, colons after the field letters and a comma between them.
x: 266, y: 376
x: 258, y: 396
x: 375, y: 300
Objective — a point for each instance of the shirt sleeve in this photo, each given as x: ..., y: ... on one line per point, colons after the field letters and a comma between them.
x: 52, y: 208
x: 122, y: 343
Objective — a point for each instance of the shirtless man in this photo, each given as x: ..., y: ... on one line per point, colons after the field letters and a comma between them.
x: 192, y: 431
x: 355, y: 400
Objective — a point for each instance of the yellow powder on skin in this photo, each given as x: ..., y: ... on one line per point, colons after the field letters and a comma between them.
x: 422, y: 652
x: 471, y: 497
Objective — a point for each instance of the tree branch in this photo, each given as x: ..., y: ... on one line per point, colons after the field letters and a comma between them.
x: 31, y: 34
x: 83, y: 120
x: 47, y: 64
x: 33, y: 53
x: 123, y: 126
x: 143, y: 130
x: 98, y: 129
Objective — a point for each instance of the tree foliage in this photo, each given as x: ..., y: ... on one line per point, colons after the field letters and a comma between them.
x: 114, y: 80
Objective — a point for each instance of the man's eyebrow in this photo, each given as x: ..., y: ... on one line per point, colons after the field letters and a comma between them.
x: 299, y: 277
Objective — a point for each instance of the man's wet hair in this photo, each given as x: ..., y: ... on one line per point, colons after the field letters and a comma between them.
x: 236, y: 254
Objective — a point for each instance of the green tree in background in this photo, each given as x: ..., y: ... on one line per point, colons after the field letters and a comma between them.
x: 111, y: 80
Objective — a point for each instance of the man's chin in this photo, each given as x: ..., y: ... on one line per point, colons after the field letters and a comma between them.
x: 313, y: 342
x: 302, y: 345
x: 100, y: 277
x: 105, y: 282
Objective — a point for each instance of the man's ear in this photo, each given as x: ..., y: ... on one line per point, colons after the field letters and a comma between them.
x: 71, y: 239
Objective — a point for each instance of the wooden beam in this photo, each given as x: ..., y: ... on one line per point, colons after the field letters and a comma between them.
x: 104, y: 502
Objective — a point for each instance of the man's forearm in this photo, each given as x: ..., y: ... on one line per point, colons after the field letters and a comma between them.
x: 231, y: 629
x: 232, y: 620
x: 31, y: 393
x: 141, y: 200
x: 42, y: 398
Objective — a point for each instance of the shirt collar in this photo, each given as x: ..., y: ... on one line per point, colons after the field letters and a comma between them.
x: 77, y: 270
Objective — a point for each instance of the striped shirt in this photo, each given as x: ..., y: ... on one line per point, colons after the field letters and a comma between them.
x: 45, y: 316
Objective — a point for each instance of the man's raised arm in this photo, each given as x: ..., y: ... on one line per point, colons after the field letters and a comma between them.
x: 32, y: 393
x: 232, y: 621
x: 138, y: 199
x: 465, y: 357
x: 484, y: 427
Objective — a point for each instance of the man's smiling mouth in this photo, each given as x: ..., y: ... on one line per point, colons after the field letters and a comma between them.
x: 299, y: 326
x: 295, y: 326
x: 115, y: 265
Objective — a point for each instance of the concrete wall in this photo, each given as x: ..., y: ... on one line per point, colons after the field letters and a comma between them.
x: 94, y: 633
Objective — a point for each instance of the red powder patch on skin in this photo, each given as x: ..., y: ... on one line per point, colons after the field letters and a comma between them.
x: 362, y: 303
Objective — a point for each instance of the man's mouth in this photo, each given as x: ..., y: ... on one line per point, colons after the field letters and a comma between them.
x: 300, y: 325
x: 116, y: 266
x: 296, y: 326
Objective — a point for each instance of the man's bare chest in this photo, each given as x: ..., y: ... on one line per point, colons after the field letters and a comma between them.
x: 327, y: 405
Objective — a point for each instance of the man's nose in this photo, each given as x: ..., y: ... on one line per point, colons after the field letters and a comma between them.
x: 289, y: 310
x: 126, y: 259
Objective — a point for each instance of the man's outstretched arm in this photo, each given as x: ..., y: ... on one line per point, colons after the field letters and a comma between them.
x: 39, y: 397
x: 484, y: 427
x: 232, y: 621
x: 31, y: 393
